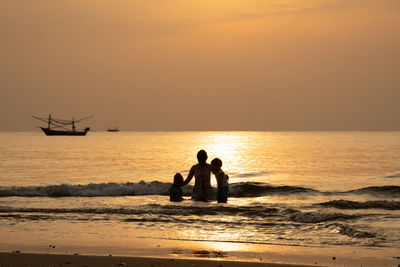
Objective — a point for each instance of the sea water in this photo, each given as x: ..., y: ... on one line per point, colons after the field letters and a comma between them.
x: 107, y: 193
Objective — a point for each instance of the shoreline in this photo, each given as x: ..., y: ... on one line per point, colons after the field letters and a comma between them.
x: 17, y: 259
x: 273, y: 256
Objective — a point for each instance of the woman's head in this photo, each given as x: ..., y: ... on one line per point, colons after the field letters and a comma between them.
x: 202, y: 156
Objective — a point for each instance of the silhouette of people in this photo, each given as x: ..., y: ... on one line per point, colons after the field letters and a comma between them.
x: 202, y: 190
x: 175, y: 192
x: 222, y: 180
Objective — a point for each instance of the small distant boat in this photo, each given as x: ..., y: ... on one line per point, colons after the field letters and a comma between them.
x: 58, y: 126
x: 113, y: 129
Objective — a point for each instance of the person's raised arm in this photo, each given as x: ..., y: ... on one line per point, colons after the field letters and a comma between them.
x: 189, y: 177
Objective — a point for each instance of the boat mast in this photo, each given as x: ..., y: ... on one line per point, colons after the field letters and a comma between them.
x: 48, y: 125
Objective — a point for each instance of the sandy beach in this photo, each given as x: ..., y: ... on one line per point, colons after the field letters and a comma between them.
x: 43, y: 260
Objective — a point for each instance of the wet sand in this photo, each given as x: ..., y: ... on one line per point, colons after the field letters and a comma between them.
x: 58, y: 260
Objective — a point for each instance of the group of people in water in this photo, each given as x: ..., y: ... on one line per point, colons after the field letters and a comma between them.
x: 202, y: 190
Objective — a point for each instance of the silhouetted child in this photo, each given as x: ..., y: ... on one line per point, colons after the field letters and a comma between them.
x: 175, y: 192
x: 222, y: 180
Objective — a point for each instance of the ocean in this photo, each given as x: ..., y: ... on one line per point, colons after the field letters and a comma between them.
x: 290, y: 192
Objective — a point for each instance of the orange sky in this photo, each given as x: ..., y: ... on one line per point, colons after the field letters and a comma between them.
x: 202, y: 65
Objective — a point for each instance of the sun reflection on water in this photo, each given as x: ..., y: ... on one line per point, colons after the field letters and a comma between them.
x: 232, y: 148
x: 224, y: 246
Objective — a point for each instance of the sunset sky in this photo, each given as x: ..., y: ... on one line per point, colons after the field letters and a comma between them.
x: 202, y: 65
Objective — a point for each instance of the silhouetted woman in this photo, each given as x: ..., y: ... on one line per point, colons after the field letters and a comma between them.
x: 202, y: 189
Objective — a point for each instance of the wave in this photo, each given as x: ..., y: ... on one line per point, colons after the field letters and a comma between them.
x: 388, y: 190
x: 254, y: 189
x: 317, y: 217
x: 245, y: 189
x: 347, y: 204
x: 395, y: 175
x: 241, y: 189
x: 258, y: 216
x: 350, y: 231
x: 248, y: 174
x: 153, y: 213
x: 155, y: 209
x: 91, y: 190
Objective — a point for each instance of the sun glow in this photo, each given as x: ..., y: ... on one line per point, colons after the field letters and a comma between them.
x: 224, y: 145
x: 225, y: 246
x: 229, y: 148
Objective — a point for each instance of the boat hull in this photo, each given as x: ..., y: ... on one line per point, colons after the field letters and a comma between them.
x: 50, y: 132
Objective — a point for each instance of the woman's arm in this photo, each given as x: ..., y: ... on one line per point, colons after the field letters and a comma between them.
x: 189, y: 177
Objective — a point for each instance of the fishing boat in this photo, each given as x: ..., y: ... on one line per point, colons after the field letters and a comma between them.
x: 113, y: 129
x: 59, y: 126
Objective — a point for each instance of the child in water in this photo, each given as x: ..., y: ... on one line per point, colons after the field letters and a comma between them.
x: 175, y: 192
x: 222, y: 180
